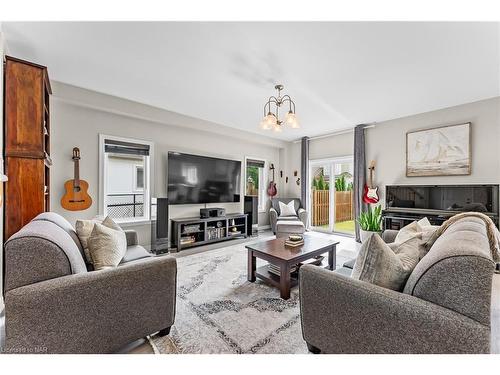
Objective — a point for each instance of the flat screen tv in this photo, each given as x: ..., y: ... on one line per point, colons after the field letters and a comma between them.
x: 194, y: 179
x: 479, y: 198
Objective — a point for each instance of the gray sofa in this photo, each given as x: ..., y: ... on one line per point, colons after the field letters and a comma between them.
x: 275, y: 213
x: 54, y: 304
x: 444, y: 308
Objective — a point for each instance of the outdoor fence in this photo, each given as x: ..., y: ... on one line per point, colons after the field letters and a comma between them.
x: 321, y: 207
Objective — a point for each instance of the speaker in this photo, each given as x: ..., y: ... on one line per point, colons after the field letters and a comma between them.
x: 159, y: 225
x: 251, y: 208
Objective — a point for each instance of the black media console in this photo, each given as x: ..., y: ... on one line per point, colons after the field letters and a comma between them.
x: 195, y: 231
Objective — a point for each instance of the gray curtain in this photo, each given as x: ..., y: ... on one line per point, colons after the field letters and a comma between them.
x: 304, y: 171
x: 359, y: 174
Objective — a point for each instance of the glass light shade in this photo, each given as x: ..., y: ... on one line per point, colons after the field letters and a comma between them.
x: 264, y: 125
x: 270, y: 119
x: 277, y: 128
x: 291, y: 119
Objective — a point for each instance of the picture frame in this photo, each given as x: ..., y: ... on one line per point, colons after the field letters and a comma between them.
x: 439, y: 151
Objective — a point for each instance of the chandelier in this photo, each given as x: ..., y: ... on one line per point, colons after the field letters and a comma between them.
x: 271, y: 118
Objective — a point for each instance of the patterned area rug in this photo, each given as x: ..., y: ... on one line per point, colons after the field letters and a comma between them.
x: 219, y: 311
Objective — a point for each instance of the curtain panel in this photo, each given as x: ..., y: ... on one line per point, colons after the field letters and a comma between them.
x: 359, y: 174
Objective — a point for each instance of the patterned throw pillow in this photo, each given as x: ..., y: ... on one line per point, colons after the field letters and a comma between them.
x: 107, y: 245
x: 287, y: 209
x: 384, y: 265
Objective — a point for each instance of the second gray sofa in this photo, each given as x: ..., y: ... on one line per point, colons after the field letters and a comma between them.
x: 444, y: 308
x: 54, y: 304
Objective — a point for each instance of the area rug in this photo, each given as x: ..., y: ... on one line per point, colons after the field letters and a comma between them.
x: 219, y: 311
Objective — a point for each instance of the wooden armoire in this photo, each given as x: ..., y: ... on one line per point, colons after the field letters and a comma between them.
x: 26, y: 142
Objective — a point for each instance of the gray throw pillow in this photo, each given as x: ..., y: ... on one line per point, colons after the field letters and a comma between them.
x: 107, y: 246
x: 384, y: 265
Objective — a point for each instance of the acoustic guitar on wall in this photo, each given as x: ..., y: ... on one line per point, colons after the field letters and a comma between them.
x: 76, y: 197
x: 370, y: 194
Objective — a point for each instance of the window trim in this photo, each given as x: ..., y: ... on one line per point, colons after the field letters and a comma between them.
x: 262, y: 203
x: 148, y: 178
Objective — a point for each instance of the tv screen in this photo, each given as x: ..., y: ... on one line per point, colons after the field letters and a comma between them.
x: 199, y: 179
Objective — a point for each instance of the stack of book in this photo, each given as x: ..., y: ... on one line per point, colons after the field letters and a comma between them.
x: 215, y: 233
x: 276, y: 270
x: 313, y: 261
x: 294, y: 241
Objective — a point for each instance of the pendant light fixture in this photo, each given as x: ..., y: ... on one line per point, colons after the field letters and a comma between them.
x: 271, y: 118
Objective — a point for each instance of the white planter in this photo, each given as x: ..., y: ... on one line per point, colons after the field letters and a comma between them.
x: 364, y: 234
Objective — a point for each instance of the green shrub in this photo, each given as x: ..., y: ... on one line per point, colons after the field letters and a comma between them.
x: 371, y: 219
x: 321, y: 183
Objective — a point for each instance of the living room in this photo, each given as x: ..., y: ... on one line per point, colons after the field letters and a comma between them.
x: 195, y: 187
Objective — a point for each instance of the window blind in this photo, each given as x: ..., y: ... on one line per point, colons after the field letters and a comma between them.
x: 128, y: 148
x: 255, y: 163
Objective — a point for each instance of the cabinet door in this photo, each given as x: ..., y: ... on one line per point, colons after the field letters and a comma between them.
x: 24, y: 109
x: 24, y: 192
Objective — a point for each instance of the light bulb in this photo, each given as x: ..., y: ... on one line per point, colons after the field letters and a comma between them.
x: 291, y: 119
x: 270, y: 119
x: 264, y: 125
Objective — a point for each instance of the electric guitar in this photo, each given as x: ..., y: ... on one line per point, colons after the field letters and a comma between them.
x: 272, y: 190
x: 76, y: 197
x: 370, y: 194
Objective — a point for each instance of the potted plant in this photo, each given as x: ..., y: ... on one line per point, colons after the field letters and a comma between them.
x: 370, y: 221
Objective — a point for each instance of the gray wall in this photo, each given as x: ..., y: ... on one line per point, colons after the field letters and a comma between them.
x: 78, y: 116
x: 386, y: 144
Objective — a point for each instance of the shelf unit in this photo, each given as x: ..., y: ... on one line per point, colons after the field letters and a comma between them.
x: 26, y: 142
x: 194, y: 231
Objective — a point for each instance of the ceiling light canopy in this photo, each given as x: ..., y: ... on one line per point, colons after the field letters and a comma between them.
x: 271, y: 118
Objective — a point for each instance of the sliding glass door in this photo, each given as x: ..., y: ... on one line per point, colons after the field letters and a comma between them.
x: 331, y: 197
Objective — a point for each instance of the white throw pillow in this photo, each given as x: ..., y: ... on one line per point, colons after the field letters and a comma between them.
x: 84, y: 230
x: 422, y: 230
x: 287, y: 209
x: 107, y: 246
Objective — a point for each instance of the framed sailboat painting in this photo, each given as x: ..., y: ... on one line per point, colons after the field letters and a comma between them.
x: 441, y: 151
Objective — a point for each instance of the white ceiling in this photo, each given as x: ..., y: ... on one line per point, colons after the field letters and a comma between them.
x: 339, y: 74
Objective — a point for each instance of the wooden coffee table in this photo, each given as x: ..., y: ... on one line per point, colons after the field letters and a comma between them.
x: 275, y: 252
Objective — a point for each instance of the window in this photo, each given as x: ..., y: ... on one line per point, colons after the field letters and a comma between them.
x: 139, y: 177
x: 255, y: 181
x: 124, y: 189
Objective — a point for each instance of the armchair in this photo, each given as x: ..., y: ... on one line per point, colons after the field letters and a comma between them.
x: 274, y: 212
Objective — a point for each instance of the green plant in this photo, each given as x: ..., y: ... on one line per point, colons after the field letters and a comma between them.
x: 340, y: 184
x: 321, y: 183
x: 349, y: 186
x: 315, y: 184
x: 371, y: 219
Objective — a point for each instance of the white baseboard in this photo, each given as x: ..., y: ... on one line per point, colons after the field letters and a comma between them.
x: 264, y: 227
